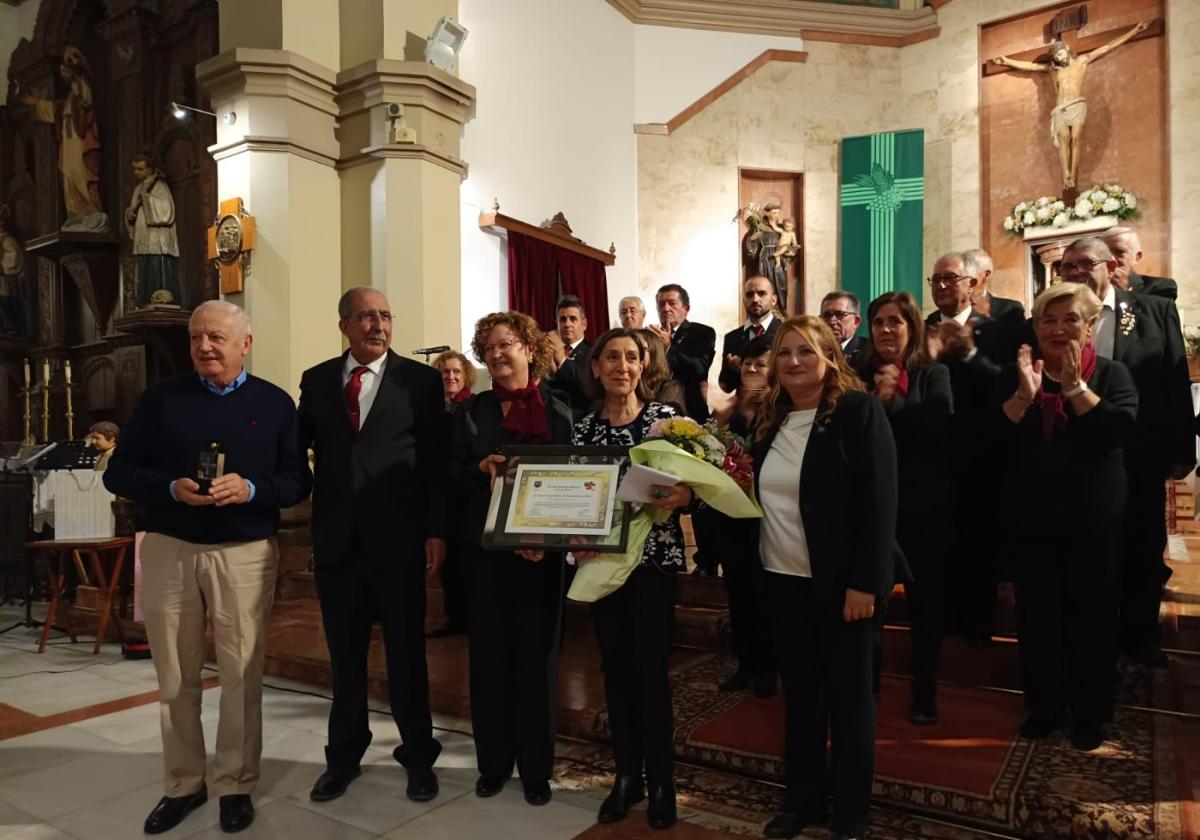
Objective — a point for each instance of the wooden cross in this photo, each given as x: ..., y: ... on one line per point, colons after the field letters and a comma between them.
x: 230, y: 241
x: 1079, y: 45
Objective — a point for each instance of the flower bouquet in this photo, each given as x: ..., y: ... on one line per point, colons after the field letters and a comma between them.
x: 1047, y: 211
x: 719, y: 473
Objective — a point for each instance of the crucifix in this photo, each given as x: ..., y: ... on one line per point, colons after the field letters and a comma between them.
x: 1067, y: 70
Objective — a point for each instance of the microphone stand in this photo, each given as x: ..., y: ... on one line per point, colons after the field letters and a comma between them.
x: 28, y: 621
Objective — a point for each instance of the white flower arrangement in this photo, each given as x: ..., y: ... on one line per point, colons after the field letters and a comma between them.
x: 1049, y: 211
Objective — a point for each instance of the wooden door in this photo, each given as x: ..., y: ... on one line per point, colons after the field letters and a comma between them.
x: 763, y: 187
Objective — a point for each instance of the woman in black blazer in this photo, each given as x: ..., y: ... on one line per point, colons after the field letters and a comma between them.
x: 1063, y: 423
x: 915, y: 393
x: 514, y: 602
x: 825, y: 470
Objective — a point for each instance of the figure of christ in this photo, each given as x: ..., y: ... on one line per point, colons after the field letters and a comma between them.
x: 1070, y: 110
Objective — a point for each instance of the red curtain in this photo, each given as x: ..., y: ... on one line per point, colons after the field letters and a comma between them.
x: 584, y: 277
x: 532, y: 278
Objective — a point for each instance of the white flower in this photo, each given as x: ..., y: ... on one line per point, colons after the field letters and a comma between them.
x: 1009, y: 223
x: 1099, y: 196
x: 1083, y: 210
x: 1028, y: 218
x: 1043, y: 201
x: 1113, y: 189
x: 1043, y: 213
x: 1130, y: 200
x: 1058, y: 205
x: 1111, y: 206
x: 1061, y: 219
x: 1020, y: 208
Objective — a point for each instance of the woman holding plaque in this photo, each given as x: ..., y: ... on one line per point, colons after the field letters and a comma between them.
x: 825, y: 472
x: 513, y: 603
x: 635, y: 625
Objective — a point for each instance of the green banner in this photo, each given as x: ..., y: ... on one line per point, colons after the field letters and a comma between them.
x: 883, y: 198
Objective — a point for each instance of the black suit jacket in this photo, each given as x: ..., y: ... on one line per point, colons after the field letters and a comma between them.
x: 690, y: 356
x: 568, y: 379
x: 848, y: 497
x: 1149, y: 341
x: 733, y: 344
x: 1148, y: 284
x: 855, y: 350
x: 476, y: 435
x: 385, y: 486
x: 1006, y: 310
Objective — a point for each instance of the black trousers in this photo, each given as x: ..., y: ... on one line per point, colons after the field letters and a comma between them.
x: 706, y: 528
x: 514, y: 620
x: 454, y: 588
x: 635, y: 627
x: 749, y: 626
x: 353, y: 596
x: 825, y: 664
x: 1066, y: 616
x: 1144, y: 572
x: 926, y: 596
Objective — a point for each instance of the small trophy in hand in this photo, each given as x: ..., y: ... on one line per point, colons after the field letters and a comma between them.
x: 212, y: 465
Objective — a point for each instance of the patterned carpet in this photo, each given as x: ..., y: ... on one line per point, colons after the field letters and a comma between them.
x: 970, y: 770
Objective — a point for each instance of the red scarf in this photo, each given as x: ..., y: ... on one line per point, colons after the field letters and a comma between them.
x: 1053, y: 406
x: 461, y: 395
x: 901, y: 384
x: 526, y: 416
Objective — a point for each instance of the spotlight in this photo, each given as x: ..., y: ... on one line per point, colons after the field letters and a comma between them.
x: 444, y: 44
x: 180, y: 112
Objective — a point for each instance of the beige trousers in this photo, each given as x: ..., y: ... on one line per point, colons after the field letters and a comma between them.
x: 184, y: 586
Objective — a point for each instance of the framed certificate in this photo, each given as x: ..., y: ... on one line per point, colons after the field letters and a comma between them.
x: 559, y: 498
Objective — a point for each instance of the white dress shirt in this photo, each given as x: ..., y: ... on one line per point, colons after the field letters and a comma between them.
x: 782, y: 543
x: 765, y: 323
x: 961, y: 317
x: 1106, y: 325
x: 370, y: 383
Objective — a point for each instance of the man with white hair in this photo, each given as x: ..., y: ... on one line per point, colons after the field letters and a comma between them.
x: 211, y: 456
x: 1126, y: 248
x: 1005, y: 310
x: 632, y: 312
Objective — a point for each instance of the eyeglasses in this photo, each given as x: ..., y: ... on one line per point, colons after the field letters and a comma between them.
x: 946, y: 280
x: 836, y: 315
x: 369, y: 315
x: 1079, y: 267
x: 504, y: 346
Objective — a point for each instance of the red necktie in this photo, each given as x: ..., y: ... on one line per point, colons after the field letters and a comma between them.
x: 352, y: 390
x: 758, y: 330
x: 570, y: 352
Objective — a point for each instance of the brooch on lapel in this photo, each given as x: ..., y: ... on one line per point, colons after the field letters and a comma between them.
x: 1128, y: 319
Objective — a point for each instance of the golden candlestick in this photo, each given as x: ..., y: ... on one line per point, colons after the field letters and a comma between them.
x: 27, y: 440
x: 45, y: 400
x: 70, y: 414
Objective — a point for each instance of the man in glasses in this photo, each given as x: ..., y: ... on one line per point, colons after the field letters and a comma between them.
x: 1143, y: 333
x: 375, y: 423
x: 842, y: 312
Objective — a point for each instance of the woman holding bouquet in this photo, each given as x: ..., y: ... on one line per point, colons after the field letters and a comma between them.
x: 825, y: 467
x: 513, y: 601
x: 635, y: 624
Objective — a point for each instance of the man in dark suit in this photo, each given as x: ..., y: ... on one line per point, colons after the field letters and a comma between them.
x: 1126, y: 248
x: 1004, y: 310
x: 570, y: 350
x: 842, y: 311
x: 691, y: 347
x: 1142, y: 332
x: 758, y: 293
x: 376, y: 424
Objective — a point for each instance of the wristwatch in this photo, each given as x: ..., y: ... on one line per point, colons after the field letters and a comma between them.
x: 1077, y: 390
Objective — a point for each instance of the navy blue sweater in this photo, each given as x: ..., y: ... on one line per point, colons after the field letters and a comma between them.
x: 177, y: 419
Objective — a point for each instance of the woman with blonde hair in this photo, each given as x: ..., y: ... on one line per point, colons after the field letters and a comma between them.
x: 825, y: 472
x: 513, y: 601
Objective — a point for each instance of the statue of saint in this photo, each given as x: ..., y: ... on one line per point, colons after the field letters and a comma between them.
x: 79, y: 143
x: 150, y: 221
x: 12, y: 283
x: 1068, y: 115
x: 762, y: 242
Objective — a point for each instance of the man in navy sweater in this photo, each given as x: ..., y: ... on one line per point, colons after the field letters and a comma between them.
x: 209, y: 552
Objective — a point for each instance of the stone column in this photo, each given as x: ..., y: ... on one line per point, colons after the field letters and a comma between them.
x: 280, y: 157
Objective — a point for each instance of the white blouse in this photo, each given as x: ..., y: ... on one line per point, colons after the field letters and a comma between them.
x: 782, y: 544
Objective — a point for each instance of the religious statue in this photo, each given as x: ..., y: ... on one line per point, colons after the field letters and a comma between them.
x: 761, y: 243
x: 12, y: 283
x: 1068, y: 115
x: 150, y: 220
x: 788, y: 245
x: 79, y: 143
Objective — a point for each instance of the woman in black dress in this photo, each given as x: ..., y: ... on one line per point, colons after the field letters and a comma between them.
x: 1064, y: 421
x: 514, y: 602
x: 635, y: 625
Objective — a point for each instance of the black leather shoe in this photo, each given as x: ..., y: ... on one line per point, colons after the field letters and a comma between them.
x: 1039, y: 725
x: 170, y: 811
x: 923, y: 712
x: 791, y: 823
x: 422, y: 785
x: 660, y: 812
x: 330, y: 786
x: 764, y: 687
x: 1086, y: 737
x: 627, y: 791
x: 486, y: 786
x: 237, y: 812
x: 739, y: 680
x: 704, y: 571
x: 537, y: 793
